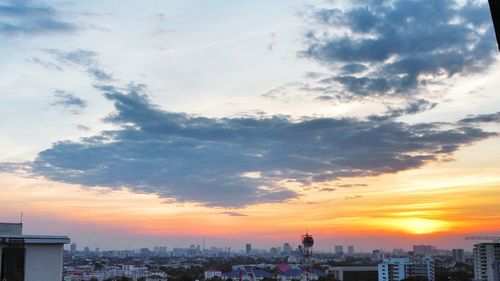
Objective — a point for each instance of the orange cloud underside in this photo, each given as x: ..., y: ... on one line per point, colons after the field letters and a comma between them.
x: 447, y: 197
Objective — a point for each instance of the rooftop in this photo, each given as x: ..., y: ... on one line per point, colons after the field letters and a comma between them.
x: 12, y: 233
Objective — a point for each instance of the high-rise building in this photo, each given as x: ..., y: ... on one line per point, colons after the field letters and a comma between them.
x: 378, y: 255
x: 273, y: 251
x: 287, y: 249
x: 160, y: 251
x: 350, y: 250
x: 397, y: 269
x: 487, y: 262
x: 339, y: 250
x: 248, y: 248
x: 423, y: 250
x: 458, y: 255
x: 399, y: 253
x: 73, y: 248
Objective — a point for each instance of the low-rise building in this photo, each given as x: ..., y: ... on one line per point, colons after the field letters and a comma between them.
x: 349, y: 273
x: 211, y: 273
x: 397, y: 269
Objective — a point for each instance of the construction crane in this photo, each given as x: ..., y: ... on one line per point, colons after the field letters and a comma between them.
x: 495, y: 239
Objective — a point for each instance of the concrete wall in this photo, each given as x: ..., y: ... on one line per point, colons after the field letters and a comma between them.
x: 44, y: 262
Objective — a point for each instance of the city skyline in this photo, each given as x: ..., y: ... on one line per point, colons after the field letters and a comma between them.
x: 250, y: 122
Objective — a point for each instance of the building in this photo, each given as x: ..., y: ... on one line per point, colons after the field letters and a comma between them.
x: 458, y: 255
x: 377, y: 255
x: 297, y: 273
x: 211, y: 273
x: 397, y: 269
x: 248, y: 248
x: 339, y: 250
x: 73, y: 248
x: 160, y: 251
x: 423, y: 250
x: 237, y: 274
x: 353, y: 273
x: 350, y: 250
x: 399, y: 253
x: 273, y: 251
x: 487, y: 262
x: 30, y: 257
x: 287, y: 249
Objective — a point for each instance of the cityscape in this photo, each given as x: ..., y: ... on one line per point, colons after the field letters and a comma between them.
x: 256, y: 140
x: 277, y: 263
x: 284, y: 262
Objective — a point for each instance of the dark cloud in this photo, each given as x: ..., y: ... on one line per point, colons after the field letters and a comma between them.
x: 69, y: 101
x: 232, y: 162
x: 86, y: 59
x: 396, y: 48
x: 354, y: 68
x: 413, y: 107
x: 327, y: 189
x: 234, y: 214
x: 14, y: 168
x: 353, y: 197
x: 24, y: 17
x: 483, y: 118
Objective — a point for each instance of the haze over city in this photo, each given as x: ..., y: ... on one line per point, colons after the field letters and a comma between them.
x: 129, y: 124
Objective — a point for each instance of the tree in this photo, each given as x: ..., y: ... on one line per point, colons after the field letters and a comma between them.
x: 98, y: 266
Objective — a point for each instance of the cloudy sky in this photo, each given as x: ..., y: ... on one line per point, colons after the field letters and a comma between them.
x: 128, y: 123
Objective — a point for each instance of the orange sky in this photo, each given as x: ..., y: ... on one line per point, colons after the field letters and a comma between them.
x: 438, y: 204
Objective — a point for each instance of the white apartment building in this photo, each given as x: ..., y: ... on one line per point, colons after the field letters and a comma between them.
x: 487, y: 262
x: 211, y: 273
x: 397, y: 269
x: 30, y: 257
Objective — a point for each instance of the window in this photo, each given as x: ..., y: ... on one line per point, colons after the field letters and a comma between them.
x: 12, y: 267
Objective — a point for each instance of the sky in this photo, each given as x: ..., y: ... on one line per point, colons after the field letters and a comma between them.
x: 130, y: 124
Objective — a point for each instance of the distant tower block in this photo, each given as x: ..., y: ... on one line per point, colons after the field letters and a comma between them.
x: 307, y: 251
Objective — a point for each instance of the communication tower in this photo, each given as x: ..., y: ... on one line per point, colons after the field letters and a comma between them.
x: 307, y: 251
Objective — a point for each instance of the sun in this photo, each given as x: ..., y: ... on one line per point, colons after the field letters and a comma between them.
x: 421, y: 225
